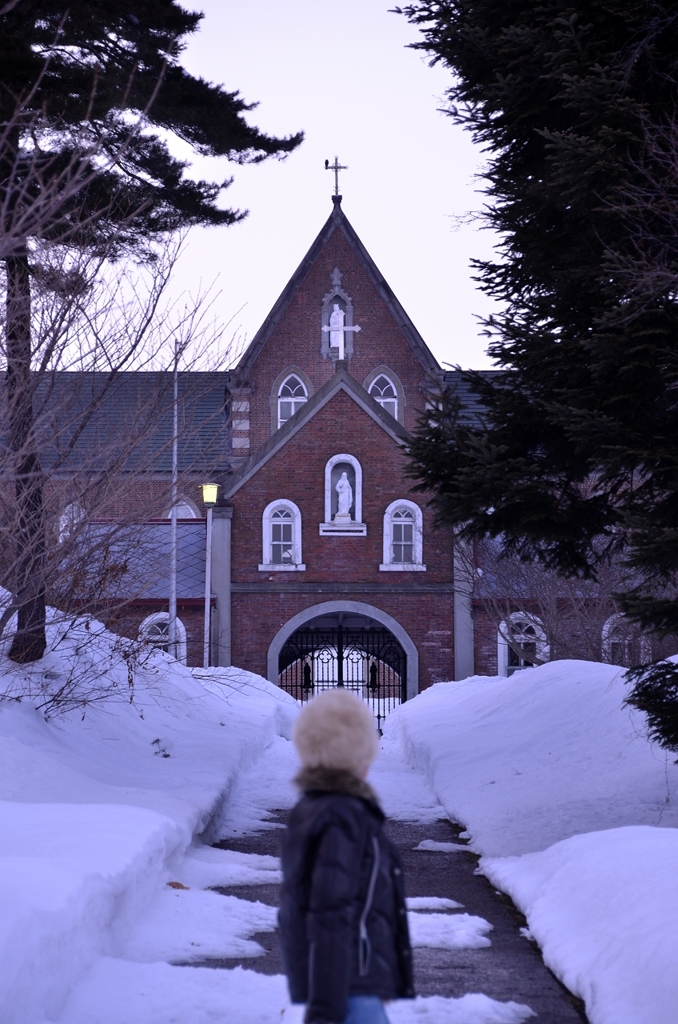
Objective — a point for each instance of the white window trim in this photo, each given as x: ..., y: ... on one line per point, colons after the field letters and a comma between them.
x: 71, y: 519
x: 356, y: 528
x: 388, y: 565
x: 266, y: 521
x: 187, y: 503
x: 644, y: 642
x: 151, y: 620
x: 297, y: 376
x: 543, y: 648
x: 382, y: 373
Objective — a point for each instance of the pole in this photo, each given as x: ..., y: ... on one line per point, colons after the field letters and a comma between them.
x: 172, y: 618
x: 208, y: 591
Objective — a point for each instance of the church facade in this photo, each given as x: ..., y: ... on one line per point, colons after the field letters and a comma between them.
x: 326, y: 565
x: 324, y: 529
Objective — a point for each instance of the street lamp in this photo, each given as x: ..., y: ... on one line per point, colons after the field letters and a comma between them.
x: 209, y: 499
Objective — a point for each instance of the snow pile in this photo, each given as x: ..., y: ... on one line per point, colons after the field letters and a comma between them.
x: 550, y: 756
x: 184, y: 926
x: 449, y: 931
x: 534, y: 758
x: 118, y: 992
x: 603, y: 907
x: 98, y: 806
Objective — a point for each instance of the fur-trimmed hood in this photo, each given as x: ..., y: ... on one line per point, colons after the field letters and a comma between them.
x: 336, y: 730
x: 334, y: 780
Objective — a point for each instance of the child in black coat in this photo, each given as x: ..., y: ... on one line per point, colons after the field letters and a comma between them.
x: 343, y: 920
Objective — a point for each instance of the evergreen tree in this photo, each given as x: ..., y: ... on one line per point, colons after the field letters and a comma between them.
x: 574, y: 104
x: 89, y: 92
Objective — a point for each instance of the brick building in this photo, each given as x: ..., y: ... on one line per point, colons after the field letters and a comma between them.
x: 321, y: 403
x: 326, y: 567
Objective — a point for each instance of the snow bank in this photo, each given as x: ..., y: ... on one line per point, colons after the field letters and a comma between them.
x: 119, y: 992
x: 99, y: 806
x: 603, y: 907
x: 529, y: 760
x: 537, y: 764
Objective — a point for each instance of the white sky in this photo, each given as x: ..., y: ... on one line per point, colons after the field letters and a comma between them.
x: 340, y: 71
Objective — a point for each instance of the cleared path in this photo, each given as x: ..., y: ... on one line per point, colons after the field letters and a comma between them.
x: 511, y: 968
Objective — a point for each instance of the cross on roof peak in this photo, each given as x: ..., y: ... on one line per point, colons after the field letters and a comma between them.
x: 336, y: 167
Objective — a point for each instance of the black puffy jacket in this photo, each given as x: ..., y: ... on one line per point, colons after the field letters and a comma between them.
x: 343, y: 921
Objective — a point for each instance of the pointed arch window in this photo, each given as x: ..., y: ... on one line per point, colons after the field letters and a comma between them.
x: 291, y: 396
x: 384, y: 392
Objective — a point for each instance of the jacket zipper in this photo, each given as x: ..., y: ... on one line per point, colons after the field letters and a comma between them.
x: 364, y: 947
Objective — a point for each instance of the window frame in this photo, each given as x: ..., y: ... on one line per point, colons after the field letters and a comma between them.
x: 417, y: 565
x: 542, y: 646
x: 281, y: 385
x: 267, y: 564
x: 379, y: 401
x: 154, y: 619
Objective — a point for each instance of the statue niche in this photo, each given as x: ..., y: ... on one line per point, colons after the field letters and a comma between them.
x: 343, y: 498
x: 343, y: 491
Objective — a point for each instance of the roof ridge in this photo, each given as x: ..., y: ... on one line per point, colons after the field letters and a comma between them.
x: 341, y: 379
x: 338, y: 219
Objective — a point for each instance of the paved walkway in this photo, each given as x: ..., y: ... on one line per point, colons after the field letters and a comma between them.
x: 511, y: 968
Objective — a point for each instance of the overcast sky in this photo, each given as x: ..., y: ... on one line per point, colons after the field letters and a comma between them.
x: 340, y: 70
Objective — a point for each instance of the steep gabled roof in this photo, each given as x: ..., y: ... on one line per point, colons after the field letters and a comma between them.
x: 338, y: 221
x: 341, y: 381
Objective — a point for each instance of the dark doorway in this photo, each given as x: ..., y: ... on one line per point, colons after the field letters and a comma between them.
x: 349, y: 651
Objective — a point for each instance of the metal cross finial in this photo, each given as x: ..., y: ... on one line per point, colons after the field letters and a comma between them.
x: 336, y: 167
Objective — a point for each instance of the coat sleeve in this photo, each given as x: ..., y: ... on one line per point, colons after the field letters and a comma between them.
x: 335, y: 880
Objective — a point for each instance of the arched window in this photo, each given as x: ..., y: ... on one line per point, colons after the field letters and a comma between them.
x: 155, y: 631
x: 185, y: 510
x: 383, y: 391
x: 70, y: 519
x: 403, y: 537
x: 521, y: 643
x: 624, y: 644
x: 291, y: 397
x: 281, y: 537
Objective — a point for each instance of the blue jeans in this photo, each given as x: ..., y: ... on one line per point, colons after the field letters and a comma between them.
x: 365, y: 1010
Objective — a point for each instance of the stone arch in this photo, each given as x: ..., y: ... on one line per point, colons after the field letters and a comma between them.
x: 356, y: 608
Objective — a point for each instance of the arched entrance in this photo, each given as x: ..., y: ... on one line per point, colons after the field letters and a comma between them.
x: 350, y: 644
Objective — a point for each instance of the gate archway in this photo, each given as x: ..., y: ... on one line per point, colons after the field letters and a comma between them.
x: 350, y: 644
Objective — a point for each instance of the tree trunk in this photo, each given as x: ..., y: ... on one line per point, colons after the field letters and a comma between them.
x: 29, y: 640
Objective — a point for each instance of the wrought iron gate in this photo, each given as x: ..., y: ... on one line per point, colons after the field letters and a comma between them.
x: 370, y: 662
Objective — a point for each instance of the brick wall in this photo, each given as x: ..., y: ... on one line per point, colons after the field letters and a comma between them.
x: 296, y: 472
x: 296, y: 339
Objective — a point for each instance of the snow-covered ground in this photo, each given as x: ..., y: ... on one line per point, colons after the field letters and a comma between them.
x: 576, y: 814
x: 107, y: 812
x: 106, y: 815
x: 99, y: 806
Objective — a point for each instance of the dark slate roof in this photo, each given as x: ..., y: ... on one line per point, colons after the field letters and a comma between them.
x: 471, y: 410
x: 341, y: 381
x: 91, y: 421
x: 338, y: 221
x: 145, y: 548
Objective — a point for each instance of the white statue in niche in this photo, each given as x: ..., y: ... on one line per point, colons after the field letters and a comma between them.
x: 344, y: 497
x: 337, y: 329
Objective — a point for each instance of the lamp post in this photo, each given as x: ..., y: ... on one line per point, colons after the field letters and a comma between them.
x: 172, y: 616
x: 209, y: 500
